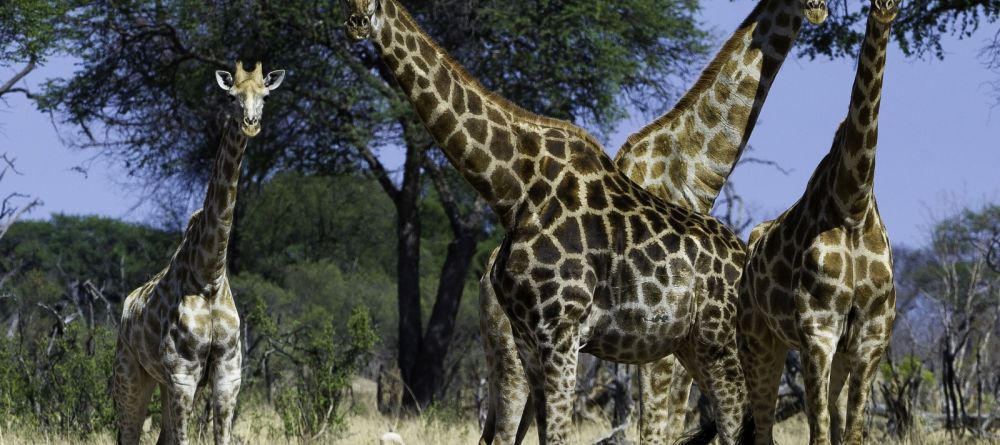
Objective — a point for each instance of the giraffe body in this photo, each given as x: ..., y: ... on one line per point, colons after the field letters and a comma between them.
x: 683, y: 157
x: 181, y: 330
x: 819, y: 277
x: 591, y: 261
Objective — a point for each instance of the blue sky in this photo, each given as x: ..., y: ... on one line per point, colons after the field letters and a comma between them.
x: 939, y: 141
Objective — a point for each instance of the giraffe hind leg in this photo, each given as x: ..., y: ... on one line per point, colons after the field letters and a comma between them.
x: 132, y: 388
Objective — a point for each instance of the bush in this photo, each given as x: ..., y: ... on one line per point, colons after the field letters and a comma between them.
x: 62, y: 388
x: 310, y: 402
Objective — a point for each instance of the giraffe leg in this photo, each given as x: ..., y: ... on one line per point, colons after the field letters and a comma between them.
x: 818, y: 349
x: 763, y: 359
x: 508, y: 387
x: 665, y: 388
x: 226, y: 379
x: 166, y: 420
x: 867, y: 354
x: 838, y: 397
x: 680, y: 392
x: 132, y: 388
x: 178, y: 396
x: 551, y: 371
x: 725, y: 387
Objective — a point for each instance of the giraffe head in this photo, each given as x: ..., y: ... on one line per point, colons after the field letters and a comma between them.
x: 885, y: 11
x: 815, y: 10
x: 363, y: 18
x: 248, y: 91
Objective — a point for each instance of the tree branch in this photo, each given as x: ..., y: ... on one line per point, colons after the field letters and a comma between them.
x: 380, y: 172
x: 8, y: 87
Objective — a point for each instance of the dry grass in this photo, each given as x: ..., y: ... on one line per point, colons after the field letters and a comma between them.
x: 365, y: 425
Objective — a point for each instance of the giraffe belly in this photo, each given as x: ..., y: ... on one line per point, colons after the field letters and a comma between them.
x: 633, y: 334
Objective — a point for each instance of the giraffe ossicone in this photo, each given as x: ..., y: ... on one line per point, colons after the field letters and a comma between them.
x: 180, y: 330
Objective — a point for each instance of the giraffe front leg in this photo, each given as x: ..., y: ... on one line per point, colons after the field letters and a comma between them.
x: 178, y: 397
x: 866, y: 357
x: 132, y: 389
x: 838, y: 397
x: 665, y: 388
x: 550, y: 363
x: 226, y: 379
x: 763, y: 358
x: 724, y: 384
x: 506, y: 422
x: 817, y: 353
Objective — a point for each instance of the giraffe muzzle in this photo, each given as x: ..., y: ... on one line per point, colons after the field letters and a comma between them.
x: 885, y: 10
x: 251, y: 126
x: 816, y: 11
x: 359, y: 27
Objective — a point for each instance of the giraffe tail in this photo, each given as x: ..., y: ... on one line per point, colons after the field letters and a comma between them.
x: 745, y: 435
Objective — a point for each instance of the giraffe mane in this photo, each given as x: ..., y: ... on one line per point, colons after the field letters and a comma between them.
x: 512, y: 108
x: 701, y: 85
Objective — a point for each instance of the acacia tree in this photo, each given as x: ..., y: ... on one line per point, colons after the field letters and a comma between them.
x: 144, y: 97
x: 30, y: 30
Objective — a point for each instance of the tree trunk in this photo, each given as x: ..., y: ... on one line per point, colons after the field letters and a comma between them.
x: 408, y: 270
x: 428, y: 377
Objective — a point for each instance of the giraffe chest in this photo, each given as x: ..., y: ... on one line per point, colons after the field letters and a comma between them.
x: 173, y: 331
x: 812, y: 283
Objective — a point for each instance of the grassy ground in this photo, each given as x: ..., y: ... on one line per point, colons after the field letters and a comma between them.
x: 366, y: 425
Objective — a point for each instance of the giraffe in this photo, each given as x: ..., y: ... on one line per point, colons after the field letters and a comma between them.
x: 181, y: 329
x: 819, y: 277
x: 591, y: 262
x: 684, y: 157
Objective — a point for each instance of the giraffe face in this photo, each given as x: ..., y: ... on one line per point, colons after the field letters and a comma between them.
x: 815, y: 11
x: 248, y: 91
x: 885, y: 11
x: 362, y: 18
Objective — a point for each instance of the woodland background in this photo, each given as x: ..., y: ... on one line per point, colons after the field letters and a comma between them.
x: 346, y: 269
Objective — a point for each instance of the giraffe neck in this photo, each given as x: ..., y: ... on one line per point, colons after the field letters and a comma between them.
x: 480, y: 133
x: 708, y: 129
x: 852, y: 158
x: 208, y: 237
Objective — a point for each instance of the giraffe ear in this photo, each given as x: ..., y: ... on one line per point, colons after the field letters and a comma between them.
x: 225, y: 80
x: 274, y: 79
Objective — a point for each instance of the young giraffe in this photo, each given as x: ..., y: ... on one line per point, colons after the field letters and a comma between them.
x: 181, y: 327
x: 683, y: 157
x: 591, y: 261
x: 819, y: 277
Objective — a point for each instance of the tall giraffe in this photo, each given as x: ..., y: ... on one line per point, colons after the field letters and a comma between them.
x: 684, y: 157
x: 181, y: 329
x: 591, y: 262
x: 819, y: 277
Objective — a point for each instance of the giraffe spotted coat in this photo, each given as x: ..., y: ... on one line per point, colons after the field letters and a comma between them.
x: 591, y: 261
x: 819, y: 277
